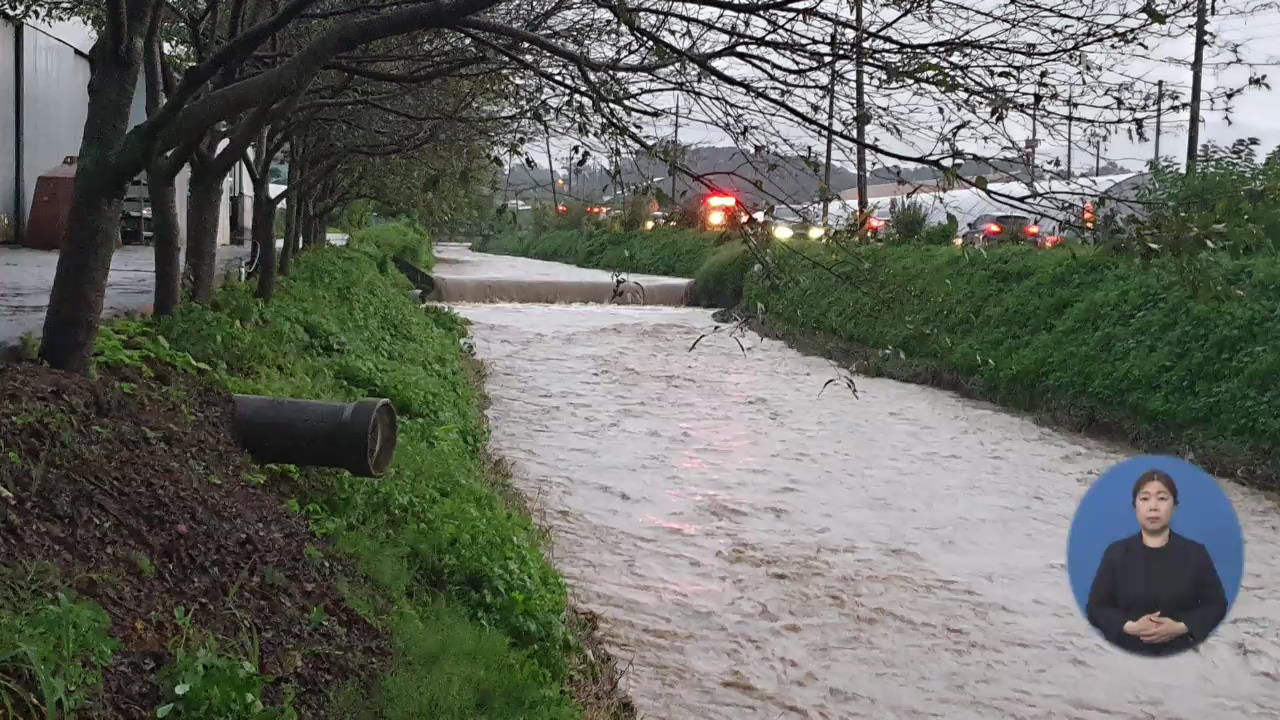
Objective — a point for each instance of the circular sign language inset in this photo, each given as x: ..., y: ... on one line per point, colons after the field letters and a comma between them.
x: 1155, y: 555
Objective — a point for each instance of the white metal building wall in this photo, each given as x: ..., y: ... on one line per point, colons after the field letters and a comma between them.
x: 55, y: 102
x: 8, y: 121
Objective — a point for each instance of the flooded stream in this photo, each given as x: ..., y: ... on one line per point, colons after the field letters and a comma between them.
x: 759, y: 550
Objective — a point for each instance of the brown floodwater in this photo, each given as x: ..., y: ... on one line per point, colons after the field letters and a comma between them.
x: 759, y: 550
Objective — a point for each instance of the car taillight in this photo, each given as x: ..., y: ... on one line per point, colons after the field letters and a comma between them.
x: 875, y: 223
x: 992, y: 229
x: 1032, y: 230
x: 722, y: 201
x: 562, y: 209
x: 1053, y: 241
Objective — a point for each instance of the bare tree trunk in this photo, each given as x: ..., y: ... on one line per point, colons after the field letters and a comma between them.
x: 264, y: 218
x: 321, y: 229
x: 165, y: 232
x: 162, y: 171
x: 202, y: 233
x: 290, y: 209
x: 308, y: 223
x: 290, y: 236
x: 80, y: 283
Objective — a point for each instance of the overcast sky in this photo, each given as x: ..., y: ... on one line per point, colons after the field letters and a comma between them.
x: 1255, y: 113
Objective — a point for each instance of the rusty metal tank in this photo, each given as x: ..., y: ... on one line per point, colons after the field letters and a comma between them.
x: 50, y: 213
x: 51, y: 207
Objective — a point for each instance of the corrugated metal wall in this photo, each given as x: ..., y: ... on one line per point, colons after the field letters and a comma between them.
x: 8, y: 121
x: 55, y: 101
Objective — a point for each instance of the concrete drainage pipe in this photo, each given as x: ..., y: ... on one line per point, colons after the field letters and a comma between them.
x: 359, y: 437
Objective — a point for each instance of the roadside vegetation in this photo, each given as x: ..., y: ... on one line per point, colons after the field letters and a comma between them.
x: 422, y: 593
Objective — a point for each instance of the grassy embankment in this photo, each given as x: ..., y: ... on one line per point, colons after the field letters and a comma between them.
x: 1172, y: 355
x: 435, y: 560
x: 717, y: 263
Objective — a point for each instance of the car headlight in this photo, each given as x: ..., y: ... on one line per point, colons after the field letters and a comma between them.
x: 816, y: 232
x: 783, y: 232
x: 648, y: 224
x: 957, y: 241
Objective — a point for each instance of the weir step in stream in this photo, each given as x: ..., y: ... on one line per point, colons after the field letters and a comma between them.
x: 458, y: 278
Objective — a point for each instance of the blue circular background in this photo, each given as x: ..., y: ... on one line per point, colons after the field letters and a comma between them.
x: 1204, y: 514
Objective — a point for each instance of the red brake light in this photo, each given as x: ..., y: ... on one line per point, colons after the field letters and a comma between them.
x: 875, y: 223
x: 1032, y: 230
x: 993, y: 229
x: 562, y: 209
x: 1053, y: 241
x: 722, y: 201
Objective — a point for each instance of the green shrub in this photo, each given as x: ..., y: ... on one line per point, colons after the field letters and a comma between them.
x: 718, y: 283
x: 402, y: 240
x: 52, y: 654
x: 1231, y: 204
x: 908, y: 222
x: 939, y: 234
x: 636, y: 211
x: 205, y: 684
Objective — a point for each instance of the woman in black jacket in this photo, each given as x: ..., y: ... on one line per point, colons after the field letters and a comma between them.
x: 1156, y: 592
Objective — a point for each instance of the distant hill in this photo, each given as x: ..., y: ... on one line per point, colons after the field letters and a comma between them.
x: 792, y: 178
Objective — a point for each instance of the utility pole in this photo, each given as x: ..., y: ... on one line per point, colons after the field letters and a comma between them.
x: 1070, y: 119
x: 675, y: 148
x: 1159, y: 113
x: 1197, y: 69
x: 568, y: 174
x: 506, y: 188
x: 860, y: 102
x: 619, y: 187
x: 551, y: 168
x: 1097, y: 157
x: 1031, y: 146
x: 831, y: 129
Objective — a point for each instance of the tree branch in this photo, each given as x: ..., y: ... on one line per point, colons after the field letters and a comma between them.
x: 244, y: 94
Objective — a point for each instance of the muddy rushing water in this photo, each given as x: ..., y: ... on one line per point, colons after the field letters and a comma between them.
x: 759, y: 551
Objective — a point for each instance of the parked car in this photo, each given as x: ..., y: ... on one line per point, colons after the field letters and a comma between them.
x: 878, y: 222
x: 784, y: 224
x: 655, y: 219
x: 989, y: 229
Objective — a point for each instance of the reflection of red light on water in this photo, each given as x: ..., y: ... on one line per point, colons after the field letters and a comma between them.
x: 685, y: 528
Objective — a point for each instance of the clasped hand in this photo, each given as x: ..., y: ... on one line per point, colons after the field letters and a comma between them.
x: 1152, y: 628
